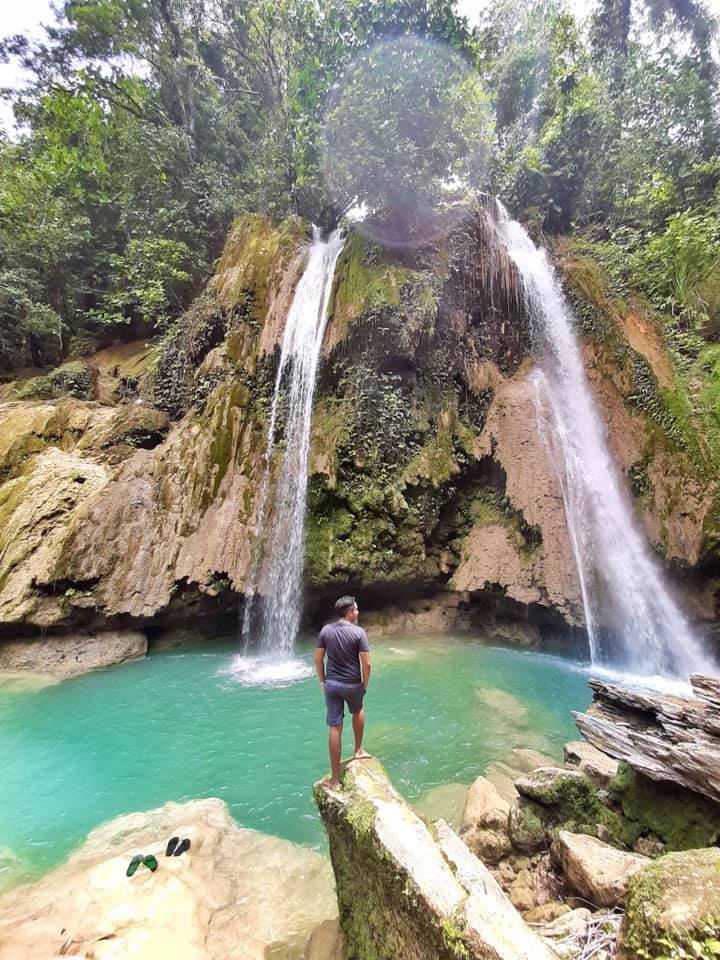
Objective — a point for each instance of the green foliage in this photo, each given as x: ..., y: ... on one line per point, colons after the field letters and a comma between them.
x: 407, y: 117
x: 147, y: 282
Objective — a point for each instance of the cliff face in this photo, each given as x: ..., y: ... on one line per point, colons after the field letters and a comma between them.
x: 137, y: 496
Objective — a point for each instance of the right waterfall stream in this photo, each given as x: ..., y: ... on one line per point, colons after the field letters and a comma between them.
x: 632, y: 620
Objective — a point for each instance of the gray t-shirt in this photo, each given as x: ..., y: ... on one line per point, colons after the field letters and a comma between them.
x: 343, y: 642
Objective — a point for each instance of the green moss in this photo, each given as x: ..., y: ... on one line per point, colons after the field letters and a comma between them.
x: 528, y: 826
x: 680, y: 819
x: 365, y: 281
x: 455, y: 940
x: 256, y: 249
x: 573, y: 803
x: 361, y: 816
x: 673, y: 908
x: 74, y: 379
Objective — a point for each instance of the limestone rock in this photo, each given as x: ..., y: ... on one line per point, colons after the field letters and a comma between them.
x: 674, y: 902
x: 236, y: 893
x: 550, y: 785
x: 664, y: 737
x: 406, y: 893
x: 568, y: 923
x: 492, y: 553
x: 597, y: 766
x: 35, y: 508
x: 70, y: 655
x: 528, y: 825
x: 599, y: 872
x: 447, y: 801
x: 485, y: 822
x: 326, y: 942
x: 546, y: 913
x: 485, y: 807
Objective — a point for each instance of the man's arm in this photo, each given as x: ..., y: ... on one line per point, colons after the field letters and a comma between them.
x: 365, y: 667
x: 320, y: 665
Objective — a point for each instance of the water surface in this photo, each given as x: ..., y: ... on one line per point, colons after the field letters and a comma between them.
x: 175, y: 726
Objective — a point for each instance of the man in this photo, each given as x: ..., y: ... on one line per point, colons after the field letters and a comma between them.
x: 348, y: 675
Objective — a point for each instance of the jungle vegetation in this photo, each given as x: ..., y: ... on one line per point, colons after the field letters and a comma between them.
x: 146, y: 125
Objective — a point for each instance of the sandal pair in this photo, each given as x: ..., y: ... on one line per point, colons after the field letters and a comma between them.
x: 149, y: 861
x: 175, y: 846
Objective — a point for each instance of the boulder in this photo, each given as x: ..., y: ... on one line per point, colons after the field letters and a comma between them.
x: 447, y: 801
x: 236, y: 893
x: 673, y: 907
x: 406, y: 893
x: 599, y: 872
x: 571, y: 801
x: 551, y: 786
x: 485, y: 807
x: 69, y: 655
x: 546, y: 912
x: 597, y: 766
x: 568, y: 923
x: 528, y: 826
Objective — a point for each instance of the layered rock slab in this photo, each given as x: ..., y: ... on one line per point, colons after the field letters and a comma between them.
x: 237, y: 893
x: 407, y: 892
x: 664, y: 737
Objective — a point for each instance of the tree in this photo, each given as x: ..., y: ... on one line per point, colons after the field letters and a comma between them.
x: 409, y: 119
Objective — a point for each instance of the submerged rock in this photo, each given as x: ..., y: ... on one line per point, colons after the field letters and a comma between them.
x: 447, y: 801
x: 406, y: 893
x: 599, y: 872
x: 236, y: 893
x: 673, y: 907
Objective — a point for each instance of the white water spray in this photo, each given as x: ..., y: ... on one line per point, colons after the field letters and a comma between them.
x: 274, y: 599
x: 632, y: 622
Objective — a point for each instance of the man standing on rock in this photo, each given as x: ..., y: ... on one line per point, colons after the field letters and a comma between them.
x: 348, y: 674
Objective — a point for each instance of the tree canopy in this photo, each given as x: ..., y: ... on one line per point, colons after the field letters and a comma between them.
x: 148, y: 124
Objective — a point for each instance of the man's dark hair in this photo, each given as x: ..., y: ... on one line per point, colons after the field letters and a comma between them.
x: 344, y: 605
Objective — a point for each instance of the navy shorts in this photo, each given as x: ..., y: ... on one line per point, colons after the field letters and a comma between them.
x: 337, y: 695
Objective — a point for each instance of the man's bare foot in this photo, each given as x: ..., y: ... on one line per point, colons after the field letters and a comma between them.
x: 360, y: 755
x: 331, y: 784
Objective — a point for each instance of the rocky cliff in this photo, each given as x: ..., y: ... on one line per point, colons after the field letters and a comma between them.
x: 130, y: 479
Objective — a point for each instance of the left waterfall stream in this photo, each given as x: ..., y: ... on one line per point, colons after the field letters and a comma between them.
x: 273, y: 603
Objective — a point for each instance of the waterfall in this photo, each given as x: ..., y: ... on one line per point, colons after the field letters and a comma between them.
x: 632, y: 621
x: 273, y: 605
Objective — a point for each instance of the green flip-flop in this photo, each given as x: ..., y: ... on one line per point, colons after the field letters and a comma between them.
x: 150, y: 862
x: 133, y: 865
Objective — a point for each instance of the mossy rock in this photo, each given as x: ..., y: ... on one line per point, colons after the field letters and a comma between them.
x: 572, y: 803
x: 673, y: 908
x: 75, y: 379
x: 528, y: 826
x: 137, y: 425
x: 681, y: 819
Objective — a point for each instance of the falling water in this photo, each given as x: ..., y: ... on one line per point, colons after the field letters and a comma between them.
x: 272, y: 611
x: 632, y: 622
